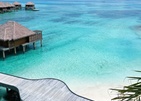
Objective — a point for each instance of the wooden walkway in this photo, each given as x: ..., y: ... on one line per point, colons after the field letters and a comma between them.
x: 39, y: 89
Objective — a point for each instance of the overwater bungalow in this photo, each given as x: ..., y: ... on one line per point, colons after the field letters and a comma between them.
x: 2, y: 7
x: 6, y: 7
x: 17, y: 5
x: 13, y: 35
x: 29, y: 6
x: 9, y: 7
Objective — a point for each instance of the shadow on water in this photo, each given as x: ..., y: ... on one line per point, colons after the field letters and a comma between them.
x: 2, y: 94
x: 8, y: 95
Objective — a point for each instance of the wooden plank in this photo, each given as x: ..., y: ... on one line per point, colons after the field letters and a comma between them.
x: 4, y: 49
x: 40, y: 89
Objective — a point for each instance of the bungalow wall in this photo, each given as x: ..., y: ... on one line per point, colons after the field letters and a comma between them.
x: 9, y: 9
x: 3, y: 43
x: 29, y: 7
x: 18, y: 7
x: 18, y: 42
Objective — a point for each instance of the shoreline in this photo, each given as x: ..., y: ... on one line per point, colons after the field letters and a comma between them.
x: 93, y: 91
x: 97, y: 91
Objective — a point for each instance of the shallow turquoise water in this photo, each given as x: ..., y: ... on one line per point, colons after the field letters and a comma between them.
x: 83, y: 41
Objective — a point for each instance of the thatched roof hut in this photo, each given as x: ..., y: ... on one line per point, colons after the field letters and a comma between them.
x: 13, y: 31
x: 29, y: 6
x: 7, y: 4
x: 9, y: 7
x: 13, y: 34
x: 2, y: 5
x: 17, y: 5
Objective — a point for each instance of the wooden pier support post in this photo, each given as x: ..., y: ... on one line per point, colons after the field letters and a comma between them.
x: 23, y: 49
x: 41, y: 43
x: 15, y: 50
x: 3, y: 52
x: 34, y: 46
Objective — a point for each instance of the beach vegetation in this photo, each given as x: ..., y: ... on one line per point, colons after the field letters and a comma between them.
x: 131, y: 92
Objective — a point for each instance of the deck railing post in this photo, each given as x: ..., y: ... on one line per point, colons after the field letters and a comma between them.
x: 41, y: 42
x: 34, y: 46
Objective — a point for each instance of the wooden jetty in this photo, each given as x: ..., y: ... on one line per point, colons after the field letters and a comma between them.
x: 39, y: 89
x: 13, y: 35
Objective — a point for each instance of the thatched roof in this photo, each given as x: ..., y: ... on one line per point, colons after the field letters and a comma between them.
x: 16, y: 3
x: 12, y: 5
x: 29, y: 3
x: 2, y: 5
x: 12, y: 30
x: 7, y: 4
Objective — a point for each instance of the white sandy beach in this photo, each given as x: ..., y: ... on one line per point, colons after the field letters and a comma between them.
x: 97, y: 92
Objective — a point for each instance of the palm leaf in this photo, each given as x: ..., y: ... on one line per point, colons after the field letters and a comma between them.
x: 131, y: 92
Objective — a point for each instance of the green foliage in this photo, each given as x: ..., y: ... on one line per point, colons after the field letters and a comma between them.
x: 131, y: 92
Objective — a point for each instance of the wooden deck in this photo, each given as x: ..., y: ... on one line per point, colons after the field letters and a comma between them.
x: 39, y: 89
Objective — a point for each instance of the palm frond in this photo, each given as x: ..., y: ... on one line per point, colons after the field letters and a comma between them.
x: 131, y: 92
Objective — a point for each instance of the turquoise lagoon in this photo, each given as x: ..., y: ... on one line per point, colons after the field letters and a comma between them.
x: 92, y: 45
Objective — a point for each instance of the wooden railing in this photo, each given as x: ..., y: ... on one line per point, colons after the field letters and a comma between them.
x: 35, y: 37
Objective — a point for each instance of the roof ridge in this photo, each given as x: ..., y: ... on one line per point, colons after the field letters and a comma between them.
x: 13, y: 30
x: 5, y: 33
x: 13, y: 25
